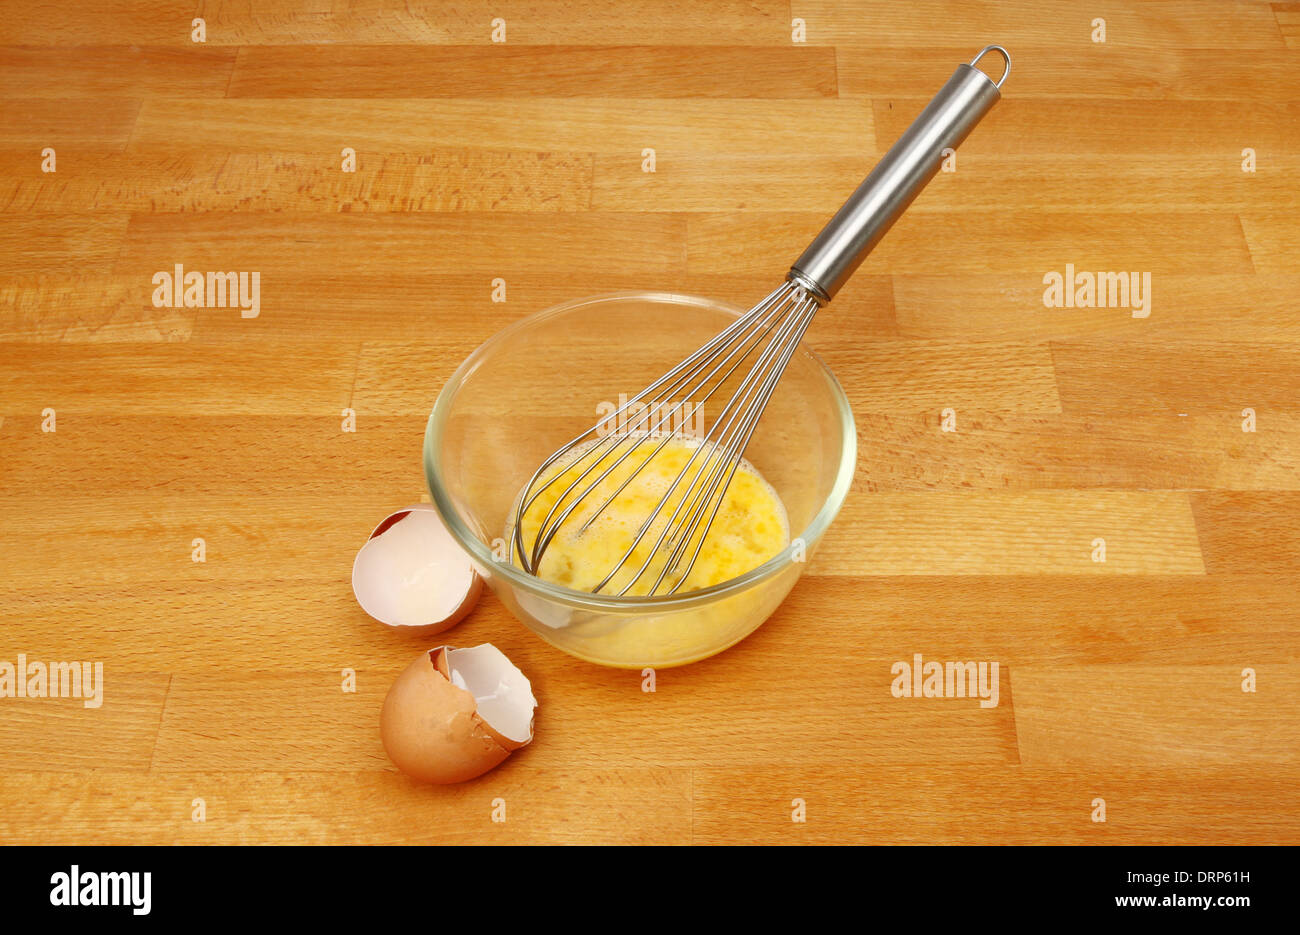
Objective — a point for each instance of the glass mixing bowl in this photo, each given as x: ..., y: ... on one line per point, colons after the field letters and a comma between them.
x: 545, y: 379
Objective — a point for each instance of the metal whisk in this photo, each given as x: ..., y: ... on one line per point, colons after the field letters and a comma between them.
x: 768, y: 335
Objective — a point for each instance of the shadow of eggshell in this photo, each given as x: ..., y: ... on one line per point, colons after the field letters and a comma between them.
x: 411, y: 574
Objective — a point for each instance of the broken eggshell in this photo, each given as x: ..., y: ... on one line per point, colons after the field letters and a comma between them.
x: 453, y: 714
x: 411, y: 574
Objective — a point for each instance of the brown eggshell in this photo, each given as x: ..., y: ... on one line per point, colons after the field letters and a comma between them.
x: 430, y: 728
x: 460, y: 613
x: 364, y: 581
x: 506, y: 743
x: 443, y: 664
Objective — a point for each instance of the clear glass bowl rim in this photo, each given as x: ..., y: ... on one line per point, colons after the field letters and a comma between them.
x: 612, y: 603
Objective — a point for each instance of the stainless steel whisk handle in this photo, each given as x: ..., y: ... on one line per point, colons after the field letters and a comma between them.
x: 898, y: 178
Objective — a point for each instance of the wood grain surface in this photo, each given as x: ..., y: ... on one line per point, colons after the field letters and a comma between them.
x: 1171, y: 148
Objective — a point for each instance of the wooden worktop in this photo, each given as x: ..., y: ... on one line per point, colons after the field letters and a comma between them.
x: 1120, y: 680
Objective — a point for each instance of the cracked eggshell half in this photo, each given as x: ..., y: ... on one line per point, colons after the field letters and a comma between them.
x: 453, y: 714
x: 411, y: 574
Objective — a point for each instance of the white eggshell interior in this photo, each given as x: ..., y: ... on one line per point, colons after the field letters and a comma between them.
x: 503, y: 694
x: 413, y: 573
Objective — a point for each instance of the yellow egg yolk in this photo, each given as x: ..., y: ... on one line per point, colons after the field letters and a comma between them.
x: 749, y: 528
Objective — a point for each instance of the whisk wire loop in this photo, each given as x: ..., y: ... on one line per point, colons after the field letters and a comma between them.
x: 701, y: 487
x: 770, y: 333
x: 763, y: 316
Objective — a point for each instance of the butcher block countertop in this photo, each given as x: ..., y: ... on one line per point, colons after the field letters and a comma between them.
x: 1103, y: 499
